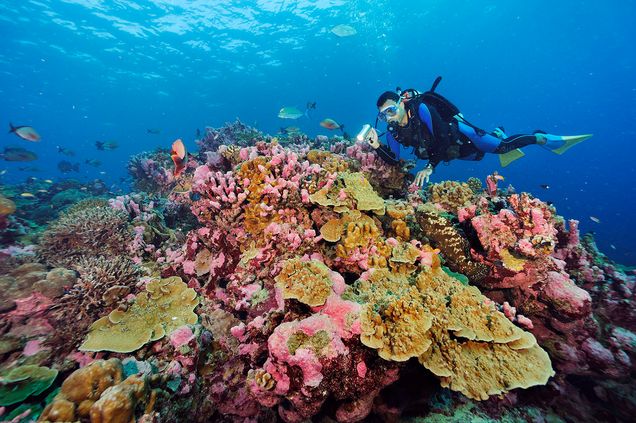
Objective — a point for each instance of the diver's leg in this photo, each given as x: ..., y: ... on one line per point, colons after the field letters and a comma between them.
x: 516, y: 141
x: 484, y: 142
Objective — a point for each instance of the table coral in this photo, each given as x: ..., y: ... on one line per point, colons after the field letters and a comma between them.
x: 164, y: 306
x: 487, y: 355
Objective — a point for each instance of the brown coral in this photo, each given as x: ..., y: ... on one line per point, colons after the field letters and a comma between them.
x: 33, y: 277
x: 97, y: 392
x: 455, y: 331
x: 92, y: 231
x: 475, y: 349
x: 307, y: 281
x: 393, y: 320
x: 82, y: 389
x: 451, y: 195
x: 330, y: 162
x: 451, y: 243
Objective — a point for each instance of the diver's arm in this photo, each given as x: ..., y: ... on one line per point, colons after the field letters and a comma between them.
x: 386, y: 153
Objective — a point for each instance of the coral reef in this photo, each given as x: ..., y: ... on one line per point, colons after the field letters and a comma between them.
x: 290, y: 279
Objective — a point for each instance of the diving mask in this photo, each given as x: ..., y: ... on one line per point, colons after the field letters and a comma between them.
x: 388, y: 112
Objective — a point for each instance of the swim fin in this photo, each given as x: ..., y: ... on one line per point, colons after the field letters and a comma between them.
x: 509, y: 157
x: 559, y: 144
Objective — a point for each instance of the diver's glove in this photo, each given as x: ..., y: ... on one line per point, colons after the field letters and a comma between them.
x: 423, y: 175
x: 372, y: 138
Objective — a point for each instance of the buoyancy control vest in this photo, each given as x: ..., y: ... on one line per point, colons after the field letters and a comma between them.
x: 435, y: 144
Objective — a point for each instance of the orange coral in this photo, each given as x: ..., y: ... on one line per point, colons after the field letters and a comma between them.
x: 81, y: 389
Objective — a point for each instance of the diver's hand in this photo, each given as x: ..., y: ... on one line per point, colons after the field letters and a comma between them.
x: 423, y: 176
x: 372, y: 139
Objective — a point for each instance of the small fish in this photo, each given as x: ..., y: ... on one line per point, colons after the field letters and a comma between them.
x: 595, y: 219
x: 18, y: 154
x: 93, y: 162
x: 343, y: 30
x: 66, y: 166
x: 311, y: 105
x: 3, y: 171
x: 27, y: 195
x: 42, y: 190
x: 545, y: 186
x: 290, y: 113
x: 48, y: 181
x: 290, y: 130
x: 613, y: 246
x: 102, y: 173
x: 178, y: 154
x: 106, y: 145
x: 83, y: 189
x: 25, y: 132
x: 154, y: 131
x: 331, y: 124
x: 65, y: 151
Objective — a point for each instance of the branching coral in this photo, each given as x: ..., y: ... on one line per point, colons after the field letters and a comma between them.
x: 165, y: 305
x: 93, y: 231
x: 151, y: 171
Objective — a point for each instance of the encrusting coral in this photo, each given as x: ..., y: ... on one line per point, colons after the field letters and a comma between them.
x: 165, y: 305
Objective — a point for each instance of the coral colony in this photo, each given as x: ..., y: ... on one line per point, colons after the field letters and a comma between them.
x: 293, y: 279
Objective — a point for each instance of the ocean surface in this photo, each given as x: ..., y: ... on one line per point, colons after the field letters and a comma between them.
x: 81, y: 71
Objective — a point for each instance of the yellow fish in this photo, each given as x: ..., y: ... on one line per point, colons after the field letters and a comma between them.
x: 48, y: 181
x: 27, y: 195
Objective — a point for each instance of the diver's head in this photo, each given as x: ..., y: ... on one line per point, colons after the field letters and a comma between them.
x: 391, y: 108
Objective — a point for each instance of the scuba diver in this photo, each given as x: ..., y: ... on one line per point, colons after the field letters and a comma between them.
x: 437, y: 131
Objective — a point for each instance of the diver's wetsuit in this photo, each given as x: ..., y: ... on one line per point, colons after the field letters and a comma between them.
x: 436, y: 140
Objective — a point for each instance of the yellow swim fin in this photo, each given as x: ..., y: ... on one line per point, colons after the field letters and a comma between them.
x: 509, y: 157
x: 569, y: 141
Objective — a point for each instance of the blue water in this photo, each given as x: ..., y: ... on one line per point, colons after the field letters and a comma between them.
x: 87, y: 70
